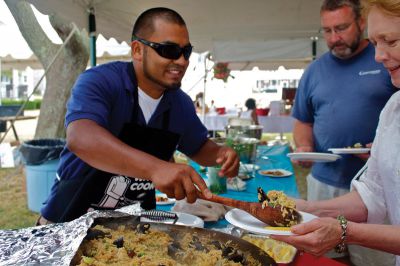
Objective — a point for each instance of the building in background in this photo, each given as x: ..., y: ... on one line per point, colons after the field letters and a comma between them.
x: 19, y: 84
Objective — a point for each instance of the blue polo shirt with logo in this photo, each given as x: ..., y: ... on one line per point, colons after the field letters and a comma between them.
x: 343, y: 100
x: 104, y: 94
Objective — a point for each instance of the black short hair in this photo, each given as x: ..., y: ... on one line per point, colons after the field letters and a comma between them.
x: 250, y: 104
x: 144, y: 25
x: 331, y: 5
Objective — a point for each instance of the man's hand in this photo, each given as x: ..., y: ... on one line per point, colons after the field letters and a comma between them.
x: 315, y: 237
x: 301, y: 205
x: 179, y: 181
x: 364, y: 156
x: 229, y: 161
x: 305, y: 164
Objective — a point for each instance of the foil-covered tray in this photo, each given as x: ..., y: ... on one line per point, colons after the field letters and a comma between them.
x: 53, y: 244
x: 57, y: 244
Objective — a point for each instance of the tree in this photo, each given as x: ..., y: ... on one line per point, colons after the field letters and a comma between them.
x: 60, y: 78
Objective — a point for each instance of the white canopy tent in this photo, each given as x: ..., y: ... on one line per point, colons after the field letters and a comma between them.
x: 263, y: 33
x: 291, y: 53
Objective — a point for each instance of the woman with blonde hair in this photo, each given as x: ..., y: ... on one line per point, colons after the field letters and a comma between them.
x: 358, y: 217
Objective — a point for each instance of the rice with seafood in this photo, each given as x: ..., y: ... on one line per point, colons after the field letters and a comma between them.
x: 148, y: 246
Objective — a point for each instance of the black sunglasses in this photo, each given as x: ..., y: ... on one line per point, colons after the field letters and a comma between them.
x: 168, y: 50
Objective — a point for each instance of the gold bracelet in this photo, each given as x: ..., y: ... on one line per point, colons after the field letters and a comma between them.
x: 341, y: 247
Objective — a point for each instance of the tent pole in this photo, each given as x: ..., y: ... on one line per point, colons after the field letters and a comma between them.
x: 0, y: 85
x: 314, y: 47
x: 203, y: 111
x: 92, y: 51
x: 92, y: 36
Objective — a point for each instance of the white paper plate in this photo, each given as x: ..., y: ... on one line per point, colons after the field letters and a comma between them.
x: 168, y: 202
x: 244, y: 220
x: 313, y: 156
x: 268, y: 172
x: 183, y: 219
x: 349, y: 150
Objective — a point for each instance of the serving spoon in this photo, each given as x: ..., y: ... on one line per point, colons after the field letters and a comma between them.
x: 272, y: 216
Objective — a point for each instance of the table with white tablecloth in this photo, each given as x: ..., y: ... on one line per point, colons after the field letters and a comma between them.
x: 276, y: 124
x: 216, y: 122
x: 271, y: 123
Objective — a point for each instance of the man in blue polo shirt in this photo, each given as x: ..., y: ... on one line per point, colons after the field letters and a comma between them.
x: 124, y: 121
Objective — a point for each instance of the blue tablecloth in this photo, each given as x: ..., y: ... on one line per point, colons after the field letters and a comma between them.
x: 268, y: 157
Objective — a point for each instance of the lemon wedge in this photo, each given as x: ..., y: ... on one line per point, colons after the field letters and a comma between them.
x: 277, y: 228
x: 279, y: 251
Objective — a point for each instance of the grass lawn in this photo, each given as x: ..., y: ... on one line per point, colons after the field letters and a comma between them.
x: 14, y: 212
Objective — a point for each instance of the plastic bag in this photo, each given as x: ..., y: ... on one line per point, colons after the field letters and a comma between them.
x: 39, y: 151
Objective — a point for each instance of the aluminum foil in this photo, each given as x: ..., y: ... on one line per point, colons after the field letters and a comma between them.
x: 54, y: 244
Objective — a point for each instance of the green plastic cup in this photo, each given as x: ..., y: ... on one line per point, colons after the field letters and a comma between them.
x: 216, y: 183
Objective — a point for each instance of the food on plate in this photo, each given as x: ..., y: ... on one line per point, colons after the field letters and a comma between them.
x: 278, y: 199
x: 161, y: 199
x: 278, y: 228
x: 357, y: 145
x: 272, y: 172
x: 143, y: 245
x: 279, y: 251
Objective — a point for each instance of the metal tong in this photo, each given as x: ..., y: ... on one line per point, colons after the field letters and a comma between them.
x: 159, y: 215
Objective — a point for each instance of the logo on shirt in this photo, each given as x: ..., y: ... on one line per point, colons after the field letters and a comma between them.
x: 370, y: 72
x: 115, y: 193
x: 141, y: 184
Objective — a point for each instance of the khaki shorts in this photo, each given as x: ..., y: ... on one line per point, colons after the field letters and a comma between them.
x: 43, y: 221
x: 316, y: 190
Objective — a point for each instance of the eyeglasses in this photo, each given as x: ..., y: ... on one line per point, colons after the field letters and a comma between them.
x: 337, y: 29
x: 168, y: 50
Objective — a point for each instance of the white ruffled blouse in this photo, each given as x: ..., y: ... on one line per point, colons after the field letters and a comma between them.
x: 379, y: 186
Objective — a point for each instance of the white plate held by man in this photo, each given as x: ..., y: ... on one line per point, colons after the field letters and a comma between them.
x: 349, y: 150
x: 313, y: 156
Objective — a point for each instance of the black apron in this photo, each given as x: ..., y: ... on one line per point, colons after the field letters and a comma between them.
x: 103, y: 190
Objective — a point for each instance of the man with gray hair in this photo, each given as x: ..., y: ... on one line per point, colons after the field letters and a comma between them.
x: 339, y: 99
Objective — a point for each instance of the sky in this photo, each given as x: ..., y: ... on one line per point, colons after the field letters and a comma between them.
x: 12, y: 41
x: 14, y: 44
